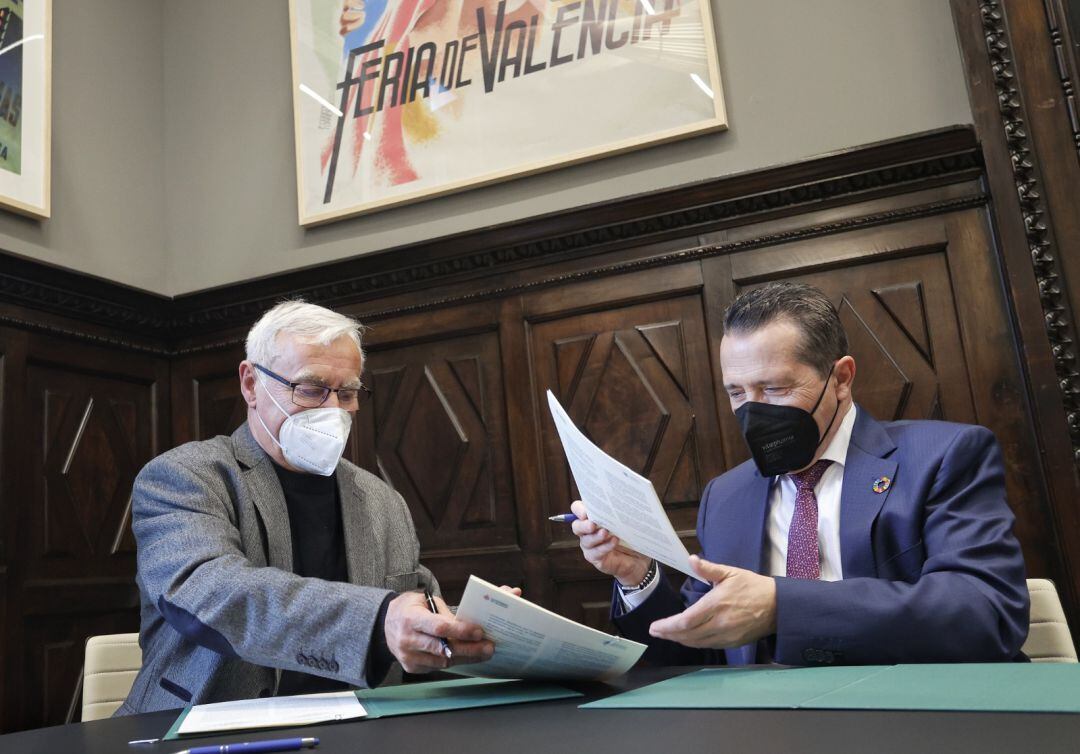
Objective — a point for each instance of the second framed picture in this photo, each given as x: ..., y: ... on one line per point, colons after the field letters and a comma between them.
x: 25, y: 105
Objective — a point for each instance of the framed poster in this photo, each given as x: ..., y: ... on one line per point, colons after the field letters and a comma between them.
x: 25, y: 105
x: 395, y: 101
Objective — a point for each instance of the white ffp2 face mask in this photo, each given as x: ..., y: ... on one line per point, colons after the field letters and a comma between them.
x: 313, y: 439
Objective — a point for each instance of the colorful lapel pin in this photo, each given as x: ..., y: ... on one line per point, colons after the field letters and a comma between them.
x: 881, y: 484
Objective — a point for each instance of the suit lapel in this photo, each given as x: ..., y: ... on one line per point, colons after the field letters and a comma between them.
x: 360, y: 550
x: 866, y: 463
x: 268, y: 497
x: 745, y: 544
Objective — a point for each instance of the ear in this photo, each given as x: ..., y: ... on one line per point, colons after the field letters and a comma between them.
x: 247, y: 383
x: 844, y: 371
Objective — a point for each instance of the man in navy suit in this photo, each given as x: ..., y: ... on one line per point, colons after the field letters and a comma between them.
x: 844, y: 540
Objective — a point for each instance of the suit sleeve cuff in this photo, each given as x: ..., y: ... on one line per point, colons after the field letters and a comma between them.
x: 380, y: 658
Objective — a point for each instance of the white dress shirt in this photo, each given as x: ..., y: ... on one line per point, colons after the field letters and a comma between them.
x: 782, y: 507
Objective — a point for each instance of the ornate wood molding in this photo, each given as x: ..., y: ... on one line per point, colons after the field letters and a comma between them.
x: 1060, y: 38
x: 682, y: 222
x: 1059, y: 320
x: 83, y: 298
x: 661, y: 260
x: 889, y: 168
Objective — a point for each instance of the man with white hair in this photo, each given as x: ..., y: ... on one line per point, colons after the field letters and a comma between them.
x: 267, y: 564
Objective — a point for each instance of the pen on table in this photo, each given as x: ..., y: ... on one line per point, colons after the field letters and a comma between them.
x: 256, y: 747
x: 435, y: 609
x: 563, y: 518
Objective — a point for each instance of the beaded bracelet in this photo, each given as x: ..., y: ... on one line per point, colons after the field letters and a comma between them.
x: 649, y: 576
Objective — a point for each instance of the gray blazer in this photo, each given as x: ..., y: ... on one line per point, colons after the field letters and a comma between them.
x: 222, y: 611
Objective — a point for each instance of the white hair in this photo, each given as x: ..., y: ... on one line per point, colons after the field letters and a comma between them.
x: 308, y: 323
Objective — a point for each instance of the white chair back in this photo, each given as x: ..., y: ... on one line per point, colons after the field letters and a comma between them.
x: 1048, y: 638
x: 112, y: 662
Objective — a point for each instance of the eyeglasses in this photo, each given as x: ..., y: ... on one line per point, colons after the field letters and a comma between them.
x: 307, y: 395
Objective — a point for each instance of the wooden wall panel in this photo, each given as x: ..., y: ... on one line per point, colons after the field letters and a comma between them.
x: 95, y: 417
x: 442, y: 401
x: 436, y: 431
x: 206, y: 395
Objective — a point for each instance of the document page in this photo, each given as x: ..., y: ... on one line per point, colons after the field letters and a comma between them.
x: 531, y: 642
x: 275, y: 712
x: 620, y: 500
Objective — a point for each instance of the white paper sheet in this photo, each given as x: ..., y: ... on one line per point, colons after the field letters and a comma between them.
x: 531, y: 642
x: 620, y: 500
x: 275, y: 712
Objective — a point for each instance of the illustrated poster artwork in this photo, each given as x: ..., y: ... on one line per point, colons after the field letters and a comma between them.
x: 401, y: 100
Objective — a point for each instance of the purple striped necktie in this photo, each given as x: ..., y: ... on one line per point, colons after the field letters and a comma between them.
x: 803, y: 558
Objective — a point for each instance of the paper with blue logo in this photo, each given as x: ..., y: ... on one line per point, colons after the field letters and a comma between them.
x: 532, y: 642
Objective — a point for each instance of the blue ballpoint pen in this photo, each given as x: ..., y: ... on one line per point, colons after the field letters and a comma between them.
x: 256, y: 747
x: 563, y: 518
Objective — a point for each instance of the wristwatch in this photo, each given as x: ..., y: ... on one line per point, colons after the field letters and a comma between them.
x: 650, y: 576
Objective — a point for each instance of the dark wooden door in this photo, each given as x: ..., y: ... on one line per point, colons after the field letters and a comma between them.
x: 89, y: 419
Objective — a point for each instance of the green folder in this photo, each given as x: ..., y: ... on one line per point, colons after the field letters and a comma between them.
x: 962, y: 687
x: 435, y: 696
x: 464, y: 693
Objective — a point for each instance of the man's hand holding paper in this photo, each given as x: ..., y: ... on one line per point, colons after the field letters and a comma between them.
x: 619, y: 499
x: 601, y: 548
x: 413, y: 633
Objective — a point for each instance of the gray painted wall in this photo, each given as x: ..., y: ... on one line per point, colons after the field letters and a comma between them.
x: 108, y: 200
x: 213, y: 112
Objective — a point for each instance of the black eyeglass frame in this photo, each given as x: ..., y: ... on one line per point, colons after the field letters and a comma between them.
x: 363, y: 393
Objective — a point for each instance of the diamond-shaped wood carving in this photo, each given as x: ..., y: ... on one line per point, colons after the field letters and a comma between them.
x: 882, y: 385
x: 93, y: 434
x: 432, y: 431
x: 905, y: 304
x: 625, y: 394
x: 89, y: 466
x: 570, y: 360
x: 431, y: 444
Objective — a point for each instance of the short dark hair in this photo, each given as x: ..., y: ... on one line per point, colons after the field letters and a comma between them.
x: 824, y: 340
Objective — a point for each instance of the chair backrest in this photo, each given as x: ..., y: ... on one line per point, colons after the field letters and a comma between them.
x: 1048, y: 638
x: 112, y: 662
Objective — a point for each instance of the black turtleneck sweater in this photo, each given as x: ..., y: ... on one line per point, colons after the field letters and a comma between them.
x: 318, y: 544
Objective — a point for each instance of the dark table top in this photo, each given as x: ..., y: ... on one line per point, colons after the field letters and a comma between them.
x: 560, y: 726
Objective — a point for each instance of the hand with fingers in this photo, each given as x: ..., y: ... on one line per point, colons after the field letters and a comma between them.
x: 413, y: 633
x: 740, y: 608
x: 601, y: 548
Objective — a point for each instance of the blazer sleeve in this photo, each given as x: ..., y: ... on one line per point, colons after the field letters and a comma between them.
x: 192, y: 566
x: 968, y: 604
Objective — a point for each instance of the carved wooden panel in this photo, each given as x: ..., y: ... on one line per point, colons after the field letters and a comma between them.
x: 435, y: 430
x: 93, y: 434
x: 93, y: 420
x: 900, y: 319
x: 635, y: 382
x: 206, y: 395
x: 628, y: 358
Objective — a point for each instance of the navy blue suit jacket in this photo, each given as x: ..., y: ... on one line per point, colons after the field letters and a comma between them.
x: 931, y: 569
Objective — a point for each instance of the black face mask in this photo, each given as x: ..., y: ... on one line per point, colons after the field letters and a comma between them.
x: 782, y: 438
